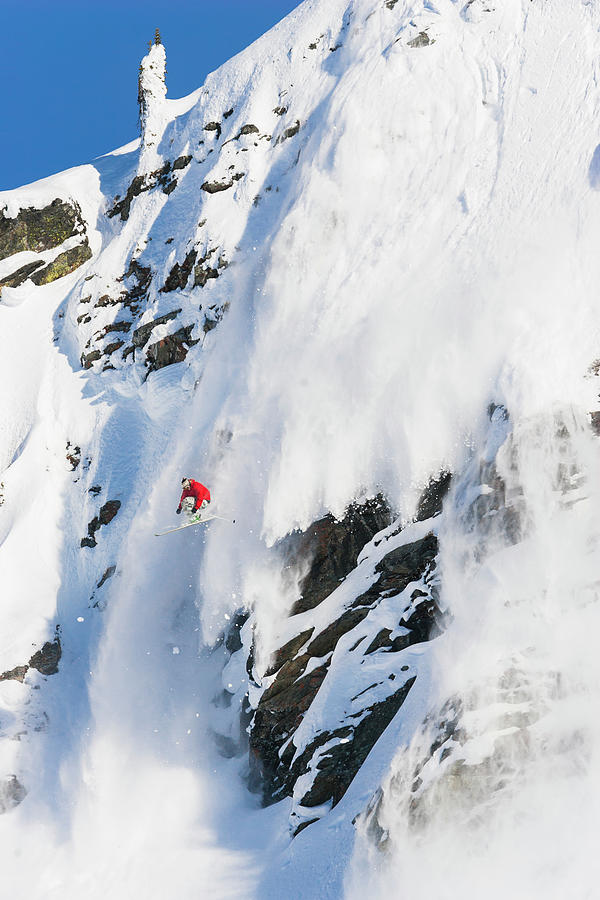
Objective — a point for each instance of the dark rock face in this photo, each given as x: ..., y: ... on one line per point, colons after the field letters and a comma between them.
x: 143, y: 332
x: 106, y: 515
x: 204, y: 274
x: 290, y: 132
x: 162, y: 178
x: 181, y: 162
x: 432, y: 499
x: 73, y: 455
x: 214, y: 187
x: 108, y: 574
x: 333, y: 546
x: 46, y: 660
x: 326, y: 641
x: 399, y: 568
x: 64, y: 264
x: 87, y: 359
x: 421, y: 40
x: 248, y: 129
x: 121, y: 326
x: 39, y: 229
x: 338, y: 767
x: 16, y: 674
x: 279, y: 713
x: 20, y: 275
x: 179, y: 274
x: 114, y: 345
x: 171, y: 349
x: 289, y: 651
x: 214, y: 126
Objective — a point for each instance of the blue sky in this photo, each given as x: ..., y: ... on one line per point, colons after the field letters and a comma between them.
x: 68, y: 70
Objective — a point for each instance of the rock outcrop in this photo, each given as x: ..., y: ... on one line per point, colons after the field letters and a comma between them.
x: 397, y: 610
x: 39, y: 229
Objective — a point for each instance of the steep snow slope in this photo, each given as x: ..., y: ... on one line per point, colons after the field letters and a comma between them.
x: 306, y: 289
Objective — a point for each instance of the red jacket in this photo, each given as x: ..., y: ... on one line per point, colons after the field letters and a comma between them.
x: 196, y: 490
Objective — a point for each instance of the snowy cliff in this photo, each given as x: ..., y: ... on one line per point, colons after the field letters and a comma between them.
x: 350, y: 284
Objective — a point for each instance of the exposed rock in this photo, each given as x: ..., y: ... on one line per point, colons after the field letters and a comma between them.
x: 279, y: 713
x: 203, y: 274
x: 247, y: 129
x: 141, y: 183
x: 289, y: 651
x: 399, y: 568
x: 289, y: 132
x: 214, y: 187
x: 122, y: 325
x: 143, y: 277
x: 214, y: 126
x: 64, y: 264
x: 110, y: 348
x: 20, y: 275
x: 12, y: 793
x: 110, y: 571
x: 336, y: 546
x: 179, y: 274
x: 333, y: 546
x: 326, y: 641
x: 280, y: 110
x: 171, y: 349
x: 16, y: 674
x: 421, y: 40
x: 46, y: 660
x: 390, y: 3
x: 73, y: 455
x: 143, y: 332
x: 109, y: 511
x: 339, y: 765
x: 39, y: 229
x: 181, y: 162
x: 431, y: 500
x: 106, y: 300
x: 88, y: 358
x: 106, y: 515
x: 228, y: 113
x: 123, y: 207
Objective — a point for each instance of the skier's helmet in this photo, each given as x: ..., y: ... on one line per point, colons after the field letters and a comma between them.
x: 186, y: 483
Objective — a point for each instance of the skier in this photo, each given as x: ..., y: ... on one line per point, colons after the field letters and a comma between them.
x: 195, y: 497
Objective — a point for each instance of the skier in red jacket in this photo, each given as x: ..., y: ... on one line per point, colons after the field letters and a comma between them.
x: 195, y: 497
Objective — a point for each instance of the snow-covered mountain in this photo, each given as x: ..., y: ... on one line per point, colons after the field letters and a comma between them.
x: 351, y: 285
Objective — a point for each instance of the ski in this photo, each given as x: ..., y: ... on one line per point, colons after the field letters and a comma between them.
x: 188, y: 524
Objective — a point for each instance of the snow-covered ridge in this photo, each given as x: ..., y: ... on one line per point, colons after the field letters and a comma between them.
x: 361, y: 256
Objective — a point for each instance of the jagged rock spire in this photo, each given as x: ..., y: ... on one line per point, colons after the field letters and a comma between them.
x: 152, y: 91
